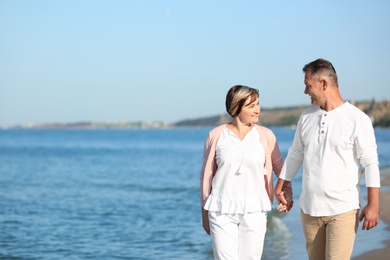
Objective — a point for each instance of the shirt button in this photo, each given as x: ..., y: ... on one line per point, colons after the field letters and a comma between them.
x: 322, y: 132
x: 323, y: 123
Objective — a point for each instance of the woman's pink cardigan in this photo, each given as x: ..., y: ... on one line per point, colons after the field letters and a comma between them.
x: 273, y: 163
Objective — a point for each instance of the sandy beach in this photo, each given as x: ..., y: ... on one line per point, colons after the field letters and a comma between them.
x: 384, y: 211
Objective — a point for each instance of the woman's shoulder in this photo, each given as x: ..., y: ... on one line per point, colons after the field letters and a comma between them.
x: 217, y: 129
x: 264, y: 131
x: 216, y: 132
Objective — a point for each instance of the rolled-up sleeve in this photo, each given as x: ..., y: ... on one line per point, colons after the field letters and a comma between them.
x: 367, y: 152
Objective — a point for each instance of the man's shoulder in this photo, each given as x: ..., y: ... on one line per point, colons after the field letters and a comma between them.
x: 354, y: 113
x: 353, y: 108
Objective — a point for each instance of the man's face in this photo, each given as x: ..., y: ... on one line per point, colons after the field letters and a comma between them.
x: 313, y: 88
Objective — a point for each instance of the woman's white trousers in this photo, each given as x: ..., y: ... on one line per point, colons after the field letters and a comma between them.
x: 238, y: 236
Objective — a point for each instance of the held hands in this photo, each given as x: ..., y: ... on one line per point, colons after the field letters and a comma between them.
x: 284, y: 194
x: 285, y: 201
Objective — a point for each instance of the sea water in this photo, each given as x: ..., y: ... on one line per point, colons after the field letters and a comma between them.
x: 126, y: 194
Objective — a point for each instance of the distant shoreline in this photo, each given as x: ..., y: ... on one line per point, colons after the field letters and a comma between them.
x: 116, y: 127
x: 379, y: 112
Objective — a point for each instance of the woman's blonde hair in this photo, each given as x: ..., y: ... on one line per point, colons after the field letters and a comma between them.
x: 236, y: 97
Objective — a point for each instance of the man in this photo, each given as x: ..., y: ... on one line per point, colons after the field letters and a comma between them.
x: 333, y: 139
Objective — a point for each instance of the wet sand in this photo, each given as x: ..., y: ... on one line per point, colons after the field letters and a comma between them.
x: 384, y: 213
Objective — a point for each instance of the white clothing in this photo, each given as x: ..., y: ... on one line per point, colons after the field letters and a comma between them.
x: 238, y: 186
x: 332, y: 146
x: 238, y: 236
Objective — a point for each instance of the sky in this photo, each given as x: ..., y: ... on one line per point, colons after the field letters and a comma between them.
x: 112, y: 61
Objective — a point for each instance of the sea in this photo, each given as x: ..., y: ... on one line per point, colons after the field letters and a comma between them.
x: 127, y: 194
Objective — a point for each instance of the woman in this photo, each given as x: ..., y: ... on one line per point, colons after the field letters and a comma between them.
x: 236, y: 178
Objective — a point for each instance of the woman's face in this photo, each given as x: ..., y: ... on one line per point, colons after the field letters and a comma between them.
x: 250, y: 111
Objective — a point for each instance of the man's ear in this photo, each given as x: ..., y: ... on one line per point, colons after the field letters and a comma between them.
x: 324, y: 84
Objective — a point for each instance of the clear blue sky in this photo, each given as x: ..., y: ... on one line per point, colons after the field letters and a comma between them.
x: 70, y: 61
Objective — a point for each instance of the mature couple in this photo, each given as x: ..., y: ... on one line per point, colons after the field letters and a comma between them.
x: 333, y: 139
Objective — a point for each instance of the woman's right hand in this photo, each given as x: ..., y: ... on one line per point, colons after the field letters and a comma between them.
x: 205, y: 221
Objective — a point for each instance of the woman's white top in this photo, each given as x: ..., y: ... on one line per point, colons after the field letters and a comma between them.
x: 238, y: 186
